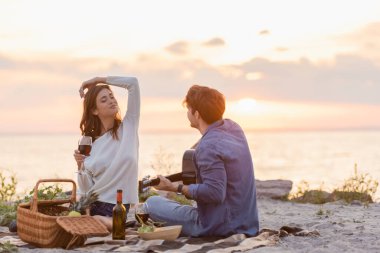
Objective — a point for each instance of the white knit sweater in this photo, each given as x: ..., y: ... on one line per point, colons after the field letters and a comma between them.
x: 113, y: 164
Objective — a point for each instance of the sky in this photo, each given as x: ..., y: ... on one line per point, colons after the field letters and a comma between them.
x: 298, y: 65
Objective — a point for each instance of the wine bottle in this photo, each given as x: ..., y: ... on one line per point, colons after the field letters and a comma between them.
x: 118, y: 218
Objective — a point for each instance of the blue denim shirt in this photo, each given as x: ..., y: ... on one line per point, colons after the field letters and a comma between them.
x: 226, y: 191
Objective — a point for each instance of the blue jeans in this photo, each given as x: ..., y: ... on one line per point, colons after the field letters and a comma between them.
x: 173, y: 213
x: 104, y: 209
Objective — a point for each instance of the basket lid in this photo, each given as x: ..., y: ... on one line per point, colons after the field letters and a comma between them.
x: 84, y: 225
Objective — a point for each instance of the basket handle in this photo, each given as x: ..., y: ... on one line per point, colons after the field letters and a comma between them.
x: 34, y: 206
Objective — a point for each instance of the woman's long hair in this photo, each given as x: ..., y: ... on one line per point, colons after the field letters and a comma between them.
x: 90, y: 125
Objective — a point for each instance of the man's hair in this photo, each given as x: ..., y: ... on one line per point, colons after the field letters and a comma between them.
x: 209, y: 102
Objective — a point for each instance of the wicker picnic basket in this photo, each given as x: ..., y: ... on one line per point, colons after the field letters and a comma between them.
x: 46, y: 231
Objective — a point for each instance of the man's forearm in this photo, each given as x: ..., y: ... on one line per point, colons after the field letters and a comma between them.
x: 185, y: 190
x: 166, y: 185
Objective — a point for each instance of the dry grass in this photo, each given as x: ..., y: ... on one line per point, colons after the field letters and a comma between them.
x: 360, y: 187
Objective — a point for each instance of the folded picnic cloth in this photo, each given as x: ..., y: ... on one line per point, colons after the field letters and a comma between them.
x: 237, y: 242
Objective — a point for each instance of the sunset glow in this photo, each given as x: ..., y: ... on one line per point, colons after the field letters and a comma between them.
x: 245, y: 106
x: 292, y: 69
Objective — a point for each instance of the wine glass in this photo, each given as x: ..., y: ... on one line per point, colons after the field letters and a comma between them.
x: 140, y: 214
x: 84, y: 146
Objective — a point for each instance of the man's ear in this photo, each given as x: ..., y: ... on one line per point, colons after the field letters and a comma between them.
x: 197, y: 115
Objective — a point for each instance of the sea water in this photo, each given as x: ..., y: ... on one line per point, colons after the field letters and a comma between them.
x: 322, y: 158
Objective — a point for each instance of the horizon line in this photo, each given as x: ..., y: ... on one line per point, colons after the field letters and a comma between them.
x: 191, y: 130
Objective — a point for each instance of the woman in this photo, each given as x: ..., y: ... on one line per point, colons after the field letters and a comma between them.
x: 113, y: 161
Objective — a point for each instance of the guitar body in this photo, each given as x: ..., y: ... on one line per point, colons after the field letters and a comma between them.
x: 189, y: 171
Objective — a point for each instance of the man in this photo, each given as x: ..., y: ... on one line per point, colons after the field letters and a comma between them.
x: 225, y: 192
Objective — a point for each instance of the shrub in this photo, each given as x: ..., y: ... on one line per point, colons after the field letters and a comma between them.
x: 8, y: 247
x: 7, y: 213
x: 47, y: 193
x: 358, y: 187
x: 305, y: 195
x: 163, y: 162
x: 8, y: 187
x: 302, y: 188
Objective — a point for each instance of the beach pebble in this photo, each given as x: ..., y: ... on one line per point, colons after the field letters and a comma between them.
x: 356, y: 203
x: 341, y: 224
x: 347, y: 232
x: 292, y: 224
x: 312, y: 224
x: 360, y: 227
x: 318, y: 250
x: 12, y: 226
x: 323, y: 226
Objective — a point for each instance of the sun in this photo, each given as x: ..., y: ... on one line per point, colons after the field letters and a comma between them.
x: 244, y: 106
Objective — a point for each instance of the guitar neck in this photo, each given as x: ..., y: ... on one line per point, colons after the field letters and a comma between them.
x: 175, y: 177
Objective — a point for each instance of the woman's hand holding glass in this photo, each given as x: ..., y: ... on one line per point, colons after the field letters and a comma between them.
x: 84, y: 149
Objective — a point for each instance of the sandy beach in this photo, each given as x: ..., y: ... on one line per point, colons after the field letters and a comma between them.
x: 342, y: 227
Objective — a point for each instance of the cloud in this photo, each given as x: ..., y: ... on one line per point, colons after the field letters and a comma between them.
x: 5, y: 62
x: 46, y: 89
x: 366, y: 40
x: 281, y: 49
x: 214, y: 42
x: 264, y: 32
x: 184, y: 48
x: 349, y: 79
x: 178, y: 48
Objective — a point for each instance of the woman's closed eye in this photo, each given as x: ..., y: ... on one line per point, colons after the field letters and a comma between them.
x: 105, y: 99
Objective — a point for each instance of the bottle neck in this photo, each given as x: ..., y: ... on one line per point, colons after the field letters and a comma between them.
x: 119, y: 197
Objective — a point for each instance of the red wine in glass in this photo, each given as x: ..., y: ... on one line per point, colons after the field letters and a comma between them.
x: 142, y: 217
x: 84, y: 149
x: 84, y: 145
x: 140, y: 214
